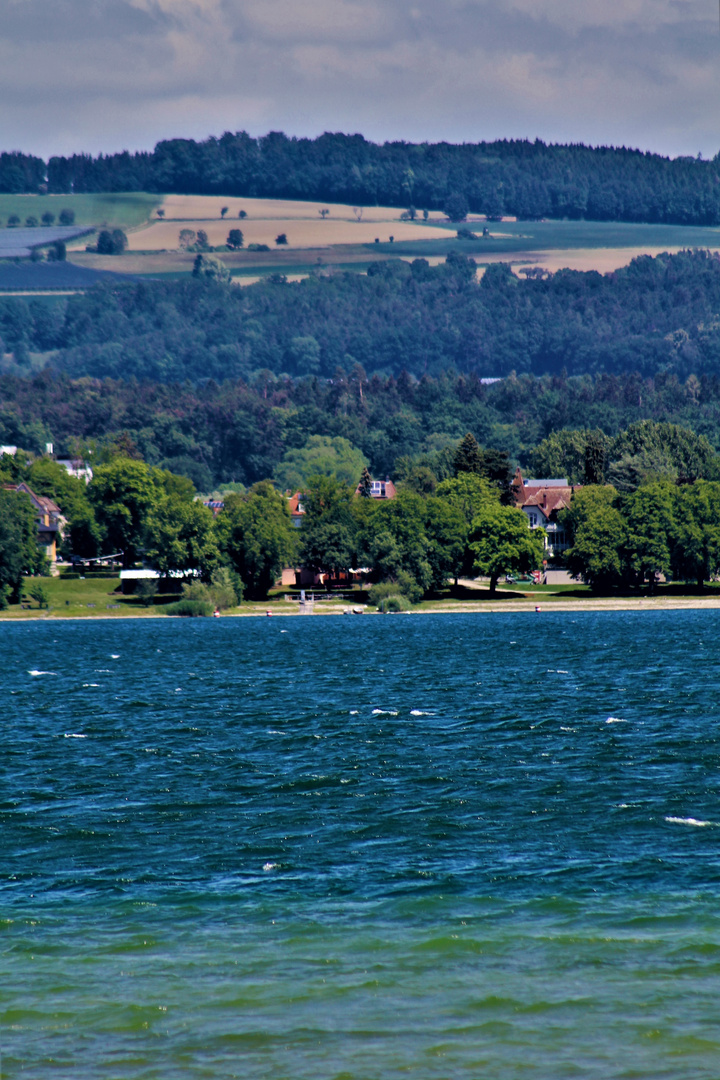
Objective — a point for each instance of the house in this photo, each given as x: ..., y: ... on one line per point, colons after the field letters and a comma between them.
x: 76, y: 467
x: 49, y: 519
x: 541, y: 501
x: 380, y: 489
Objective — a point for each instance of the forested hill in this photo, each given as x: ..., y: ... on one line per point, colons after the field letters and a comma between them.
x: 656, y: 315
x: 522, y: 178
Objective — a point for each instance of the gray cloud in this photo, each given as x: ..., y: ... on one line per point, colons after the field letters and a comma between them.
x: 107, y: 74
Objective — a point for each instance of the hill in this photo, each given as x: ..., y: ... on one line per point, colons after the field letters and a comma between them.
x: 527, y: 179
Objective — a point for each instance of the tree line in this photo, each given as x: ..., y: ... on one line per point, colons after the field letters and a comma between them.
x: 520, y: 177
x: 414, y: 543
x: 239, y: 433
x: 458, y: 520
x: 656, y: 315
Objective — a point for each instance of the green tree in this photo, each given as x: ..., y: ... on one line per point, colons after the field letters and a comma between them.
x: 257, y: 536
x: 48, y: 218
x: 696, y: 532
x: 18, y: 540
x: 393, y: 541
x: 180, y: 535
x: 329, y: 530
x: 365, y: 485
x: 67, y: 217
x: 235, y: 239
x: 650, y: 519
x: 468, y: 456
x: 122, y: 492
x: 599, y: 538
x: 469, y: 495
x: 210, y: 267
x: 503, y: 543
x: 320, y: 456
x: 281, y: 239
x: 456, y: 206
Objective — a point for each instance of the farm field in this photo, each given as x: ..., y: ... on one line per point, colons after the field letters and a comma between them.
x: 301, y: 233
x: 188, y: 208
x: 124, y: 210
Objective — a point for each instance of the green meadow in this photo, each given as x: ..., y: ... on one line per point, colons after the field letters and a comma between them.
x: 123, y: 210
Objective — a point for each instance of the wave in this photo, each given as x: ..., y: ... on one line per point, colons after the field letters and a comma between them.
x: 689, y: 821
x: 384, y: 712
x: 615, y: 720
x: 35, y: 672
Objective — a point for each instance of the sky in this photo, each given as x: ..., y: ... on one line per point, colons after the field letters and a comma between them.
x: 106, y: 75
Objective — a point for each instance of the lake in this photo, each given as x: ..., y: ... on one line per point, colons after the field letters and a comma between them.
x: 468, y: 846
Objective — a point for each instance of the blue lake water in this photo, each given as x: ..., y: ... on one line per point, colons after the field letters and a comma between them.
x: 431, y: 846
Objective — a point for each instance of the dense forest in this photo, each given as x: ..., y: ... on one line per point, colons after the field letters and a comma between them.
x: 655, y: 315
x: 519, y: 177
x: 246, y: 432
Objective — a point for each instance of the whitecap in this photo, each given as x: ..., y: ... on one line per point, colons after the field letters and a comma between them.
x: 689, y: 821
x: 561, y: 672
x: 354, y: 712
x: 419, y: 712
x: 284, y: 631
x: 383, y: 712
x: 91, y: 684
x: 116, y: 655
x: 615, y: 720
x: 35, y: 672
x: 73, y: 735
x: 567, y: 728
x: 274, y: 731
x: 269, y: 866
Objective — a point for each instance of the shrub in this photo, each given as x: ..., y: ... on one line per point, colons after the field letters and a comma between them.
x: 31, y: 222
x: 281, y: 238
x: 48, y: 218
x: 13, y: 221
x: 226, y: 589
x: 189, y: 608
x: 111, y: 243
x: 146, y: 590
x: 5, y: 591
x: 258, y: 247
x: 38, y: 592
x: 397, y: 602
x: 67, y: 217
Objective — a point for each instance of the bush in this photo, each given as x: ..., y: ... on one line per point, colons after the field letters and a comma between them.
x: 146, y: 591
x: 13, y: 221
x: 258, y: 247
x: 38, y: 593
x: 281, y: 238
x: 395, y: 603
x: 226, y: 589
x: 5, y: 592
x: 67, y: 217
x: 48, y: 218
x: 31, y: 222
x: 189, y: 608
x: 111, y: 243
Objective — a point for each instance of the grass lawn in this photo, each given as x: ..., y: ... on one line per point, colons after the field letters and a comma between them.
x: 528, y: 236
x: 123, y: 210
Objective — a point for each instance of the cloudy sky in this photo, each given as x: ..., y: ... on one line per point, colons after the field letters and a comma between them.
x: 102, y: 75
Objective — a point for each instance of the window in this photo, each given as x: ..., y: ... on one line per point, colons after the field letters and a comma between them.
x: 533, y: 519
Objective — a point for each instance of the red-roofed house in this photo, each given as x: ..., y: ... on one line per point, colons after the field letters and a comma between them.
x: 541, y: 501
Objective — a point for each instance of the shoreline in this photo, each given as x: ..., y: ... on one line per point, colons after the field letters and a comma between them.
x: 488, y: 607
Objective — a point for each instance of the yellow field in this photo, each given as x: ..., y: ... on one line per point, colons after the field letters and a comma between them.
x: 300, y: 232
x: 604, y: 260
x: 207, y: 208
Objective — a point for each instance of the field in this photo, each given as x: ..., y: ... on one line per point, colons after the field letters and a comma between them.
x: 345, y: 238
x: 126, y: 210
